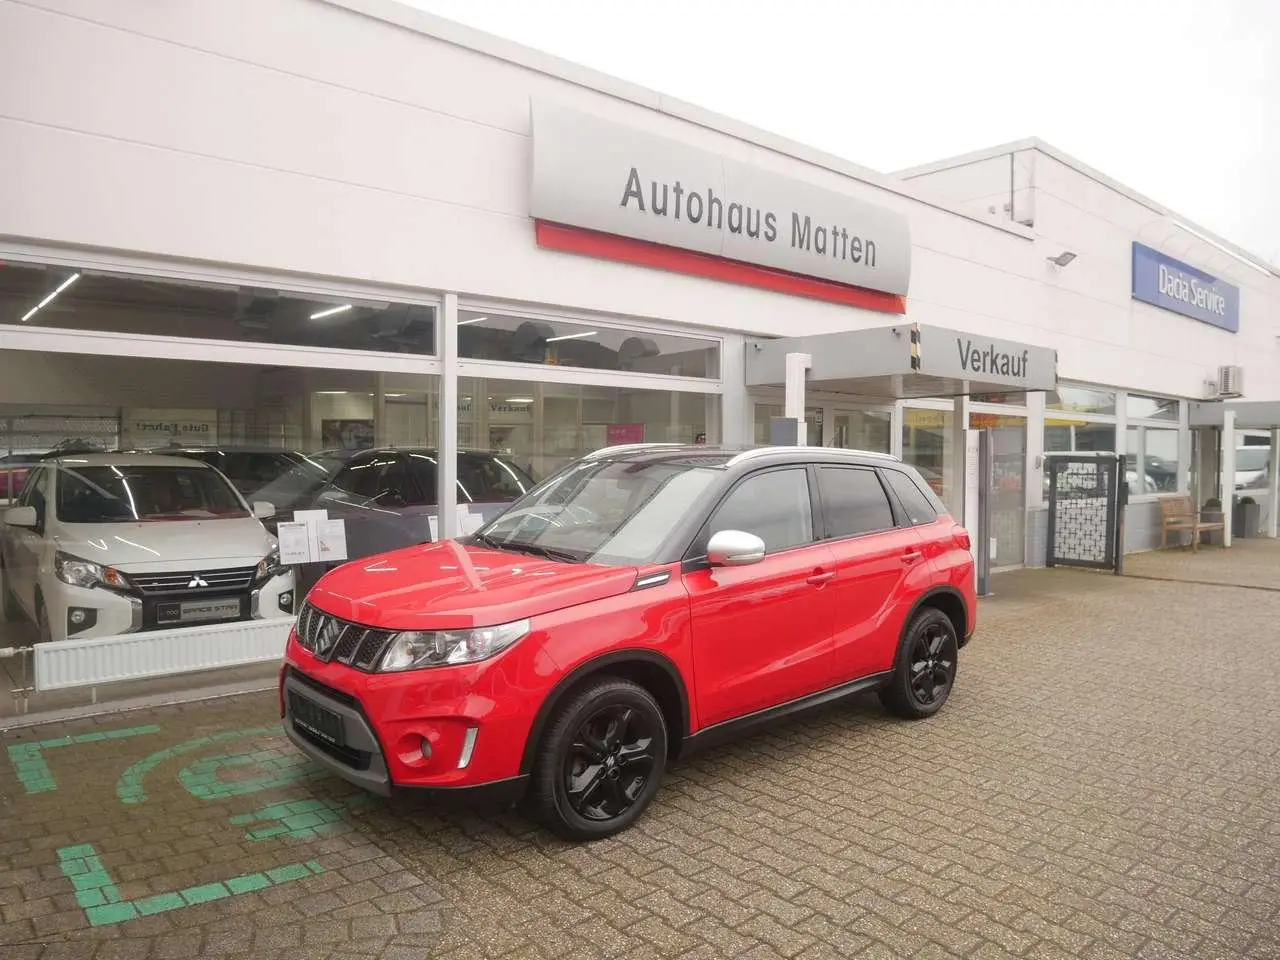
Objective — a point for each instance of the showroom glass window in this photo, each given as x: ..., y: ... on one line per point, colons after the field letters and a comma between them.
x: 562, y: 343
x: 1079, y: 419
x: 541, y: 427
x: 927, y: 445
x: 1152, y: 450
x: 239, y: 313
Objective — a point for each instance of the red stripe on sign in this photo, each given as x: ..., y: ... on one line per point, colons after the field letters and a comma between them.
x: 642, y: 253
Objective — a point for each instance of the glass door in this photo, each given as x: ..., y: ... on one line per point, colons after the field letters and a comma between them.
x: 1009, y: 481
x: 861, y: 429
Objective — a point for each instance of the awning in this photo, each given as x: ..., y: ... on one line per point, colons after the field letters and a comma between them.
x: 1250, y: 414
x: 884, y: 362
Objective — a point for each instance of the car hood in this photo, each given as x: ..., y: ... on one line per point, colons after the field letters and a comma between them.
x: 154, y: 546
x: 447, y: 585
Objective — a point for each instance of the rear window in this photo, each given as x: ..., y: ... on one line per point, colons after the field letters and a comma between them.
x: 915, y: 502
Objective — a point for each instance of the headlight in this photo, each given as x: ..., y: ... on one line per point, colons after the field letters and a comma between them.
x: 415, y: 648
x: 268, y: 567
x: 85, y: 573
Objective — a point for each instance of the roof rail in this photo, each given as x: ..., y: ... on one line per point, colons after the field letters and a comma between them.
x: 626, y: 448
x: 765, y: 451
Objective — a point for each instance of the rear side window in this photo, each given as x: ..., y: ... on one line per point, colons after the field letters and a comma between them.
x: 774, y: 505
x: 487, y: 479
x: 853, y: 501
x: 917, y: 505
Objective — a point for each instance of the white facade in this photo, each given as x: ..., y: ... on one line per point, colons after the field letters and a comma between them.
x: 360, y: 148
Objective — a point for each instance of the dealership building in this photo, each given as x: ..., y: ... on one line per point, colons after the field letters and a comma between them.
x: 334, y: 224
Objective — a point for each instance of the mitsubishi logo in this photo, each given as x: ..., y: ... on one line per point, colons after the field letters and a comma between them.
x: 197, y: 581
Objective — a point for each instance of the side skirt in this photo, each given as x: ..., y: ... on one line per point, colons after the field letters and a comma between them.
x: 740, y: 726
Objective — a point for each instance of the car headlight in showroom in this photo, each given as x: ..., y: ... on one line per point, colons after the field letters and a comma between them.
x: 268, y: 567
x: 76, y: 572
x: 437, y: 648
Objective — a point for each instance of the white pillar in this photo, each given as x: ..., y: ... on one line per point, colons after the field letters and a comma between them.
x: 1035, y: 450
x: 447, y: 454
x: 737, y: 422
x: 959, y: 434
x: 797, y: 366
x: 1227, y: 478
x: 1273, y: 485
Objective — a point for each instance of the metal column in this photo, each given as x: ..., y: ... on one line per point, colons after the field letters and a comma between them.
x: 986, y: 478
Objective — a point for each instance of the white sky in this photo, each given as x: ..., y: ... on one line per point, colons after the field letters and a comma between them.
x: 1178, y: 99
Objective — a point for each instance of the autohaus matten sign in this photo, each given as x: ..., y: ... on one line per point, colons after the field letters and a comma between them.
x: 593, y: 173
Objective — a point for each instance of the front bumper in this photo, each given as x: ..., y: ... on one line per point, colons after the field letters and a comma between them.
x: 86, y: 613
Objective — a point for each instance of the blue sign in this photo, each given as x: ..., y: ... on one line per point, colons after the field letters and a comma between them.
x: 1165, y: 282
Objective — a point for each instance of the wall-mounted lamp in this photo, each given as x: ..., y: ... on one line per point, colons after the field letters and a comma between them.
x: 1062, y: 259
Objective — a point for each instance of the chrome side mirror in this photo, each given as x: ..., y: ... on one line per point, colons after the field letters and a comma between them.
x: 734, y: 548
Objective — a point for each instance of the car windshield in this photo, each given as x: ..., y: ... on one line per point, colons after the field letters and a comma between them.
x: 121, y: 493
x: 1252, y: 458
x: 608, y: 512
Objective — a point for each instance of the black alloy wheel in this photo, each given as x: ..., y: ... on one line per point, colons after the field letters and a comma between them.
x: 601, y: 761
x: 926, y: 668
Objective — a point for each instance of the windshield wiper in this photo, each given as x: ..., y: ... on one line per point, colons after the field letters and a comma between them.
x: 551, y: 553
x: 487, y: 540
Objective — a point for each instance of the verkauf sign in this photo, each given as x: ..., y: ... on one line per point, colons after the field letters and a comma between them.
x: 1165, y: 282
x: 592, y: 173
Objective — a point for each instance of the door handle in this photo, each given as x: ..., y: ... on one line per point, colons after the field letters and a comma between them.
x: 821, y: 578
x: 911, y: 556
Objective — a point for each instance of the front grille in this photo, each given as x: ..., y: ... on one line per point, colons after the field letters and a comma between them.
x: 331, y: 638
x: 195, y: 583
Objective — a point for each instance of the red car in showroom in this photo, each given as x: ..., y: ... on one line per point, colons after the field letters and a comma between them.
x: 644, y: 600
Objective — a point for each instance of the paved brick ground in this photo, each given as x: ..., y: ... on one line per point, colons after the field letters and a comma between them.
x: 1103, y: 784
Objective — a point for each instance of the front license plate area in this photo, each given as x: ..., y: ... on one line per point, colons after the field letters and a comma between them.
x: 316, y: 720
x: 198, y: 611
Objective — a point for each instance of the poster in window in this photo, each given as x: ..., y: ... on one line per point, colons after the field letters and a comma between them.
x: 619, y: 433
x: 347, y: 435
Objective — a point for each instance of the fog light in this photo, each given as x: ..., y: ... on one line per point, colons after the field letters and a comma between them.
x: 426, y: 749
x: 286, y: 601
x: 80, y: 618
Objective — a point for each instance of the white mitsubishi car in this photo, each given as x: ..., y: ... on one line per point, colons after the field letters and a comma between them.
x: 99, y: 545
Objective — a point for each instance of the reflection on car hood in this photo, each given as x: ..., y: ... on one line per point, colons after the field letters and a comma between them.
x: 446, y: 585
x: 158, y: 545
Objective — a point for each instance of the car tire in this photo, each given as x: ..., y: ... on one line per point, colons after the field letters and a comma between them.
x: 925, y: 670
x: 601, y: 761
x: 42, y: 622
x: 9, y: 612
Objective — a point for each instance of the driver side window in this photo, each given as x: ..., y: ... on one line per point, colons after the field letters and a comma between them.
x: 773, y: 505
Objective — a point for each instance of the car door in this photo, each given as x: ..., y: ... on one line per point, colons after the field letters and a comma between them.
x: 875, y: 553
x: 761, y: 632
x: 27, y: 546
x: 379, y: 500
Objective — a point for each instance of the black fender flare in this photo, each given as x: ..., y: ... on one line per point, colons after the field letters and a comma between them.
x: 923, y: 601
x: 601, y: 665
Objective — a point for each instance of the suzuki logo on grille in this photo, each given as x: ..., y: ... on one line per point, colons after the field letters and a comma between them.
x: 328, y: 635
x: 196, y: 582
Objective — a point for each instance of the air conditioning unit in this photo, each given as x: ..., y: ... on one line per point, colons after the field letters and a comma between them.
x: 1230, y: 382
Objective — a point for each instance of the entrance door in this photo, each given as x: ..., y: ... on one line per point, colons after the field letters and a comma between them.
x: 1009, y: 485
x: 861, y: 429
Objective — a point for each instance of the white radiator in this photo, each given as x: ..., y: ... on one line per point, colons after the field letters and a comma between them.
x: 135, y: 656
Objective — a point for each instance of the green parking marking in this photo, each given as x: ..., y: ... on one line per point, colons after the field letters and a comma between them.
x: 32, y: 768
x: 99, y: 897
x: 129, y: 787
x: 202, y: 779
x: 298, y: 819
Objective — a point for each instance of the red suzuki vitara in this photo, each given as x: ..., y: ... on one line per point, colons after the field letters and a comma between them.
x: 644, y: 600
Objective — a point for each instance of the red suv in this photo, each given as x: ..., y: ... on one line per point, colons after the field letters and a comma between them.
x: 643, y: 601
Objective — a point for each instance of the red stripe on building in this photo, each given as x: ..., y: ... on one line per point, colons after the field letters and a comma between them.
x: 606, y: 246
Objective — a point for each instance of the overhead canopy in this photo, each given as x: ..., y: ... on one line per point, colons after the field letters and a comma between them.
x: 884, y: 363
x: 1250, y: 414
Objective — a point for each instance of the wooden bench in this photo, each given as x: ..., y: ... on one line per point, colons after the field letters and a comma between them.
x: 1178, y: 513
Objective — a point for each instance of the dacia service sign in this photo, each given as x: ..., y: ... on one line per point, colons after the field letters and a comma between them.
x: 1173, y: 285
